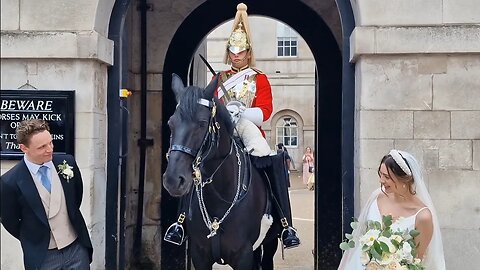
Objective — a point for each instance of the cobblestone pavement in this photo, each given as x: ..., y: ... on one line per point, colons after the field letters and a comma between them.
x: 302, y: 201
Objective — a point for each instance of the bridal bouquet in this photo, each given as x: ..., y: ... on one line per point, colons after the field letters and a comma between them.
x: 384, y: 248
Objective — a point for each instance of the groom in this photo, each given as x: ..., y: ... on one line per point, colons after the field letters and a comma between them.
x: 40, y: 203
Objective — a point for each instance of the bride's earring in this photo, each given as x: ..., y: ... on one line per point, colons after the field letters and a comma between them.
x: 404, y: 186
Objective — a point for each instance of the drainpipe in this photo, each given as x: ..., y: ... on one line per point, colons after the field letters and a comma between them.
x: 143, y: 142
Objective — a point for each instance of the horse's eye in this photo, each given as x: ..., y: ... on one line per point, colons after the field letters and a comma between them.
x: 203, y: 123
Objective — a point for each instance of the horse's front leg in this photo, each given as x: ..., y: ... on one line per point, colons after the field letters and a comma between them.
x: 257, y: 258
x: 200, y: 260
x: 244, y: 260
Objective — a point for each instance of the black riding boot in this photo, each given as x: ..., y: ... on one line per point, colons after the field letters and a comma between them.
x: 277, y: 174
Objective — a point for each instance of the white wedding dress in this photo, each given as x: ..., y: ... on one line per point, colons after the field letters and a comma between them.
x: 401, y: 224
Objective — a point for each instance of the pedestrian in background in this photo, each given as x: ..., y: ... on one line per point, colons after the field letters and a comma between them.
x: 308, y: 165
x: 288, y: 160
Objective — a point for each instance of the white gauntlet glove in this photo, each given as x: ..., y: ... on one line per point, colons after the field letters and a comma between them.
x: 236, y: 109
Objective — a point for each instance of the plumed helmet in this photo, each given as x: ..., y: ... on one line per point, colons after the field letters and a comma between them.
x: 240, y: 39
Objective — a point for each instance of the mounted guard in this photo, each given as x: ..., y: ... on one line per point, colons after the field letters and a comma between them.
x: 247, y: 94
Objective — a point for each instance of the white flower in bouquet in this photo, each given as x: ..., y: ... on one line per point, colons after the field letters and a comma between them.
x: 369, y: 237
x: 405, y: 252
x: 397, y: 238
x: 388, y: 242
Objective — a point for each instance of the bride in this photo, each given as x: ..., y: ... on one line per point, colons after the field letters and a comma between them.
x: 403, y: 195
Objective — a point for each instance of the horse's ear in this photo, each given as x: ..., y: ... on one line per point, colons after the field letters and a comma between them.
x: 211, y: 87
x: 177, y: 86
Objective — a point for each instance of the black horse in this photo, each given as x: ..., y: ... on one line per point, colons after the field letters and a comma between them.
x: 228, y: 197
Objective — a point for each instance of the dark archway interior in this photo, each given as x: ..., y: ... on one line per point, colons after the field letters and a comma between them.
x: 328, y: 57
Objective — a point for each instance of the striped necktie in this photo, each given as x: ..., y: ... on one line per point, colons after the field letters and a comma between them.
x: 44, y: 176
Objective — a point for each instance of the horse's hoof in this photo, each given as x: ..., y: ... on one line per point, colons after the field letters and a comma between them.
x: 290, y: 238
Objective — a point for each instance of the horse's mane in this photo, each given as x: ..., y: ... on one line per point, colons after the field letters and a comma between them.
x: 188, y: 104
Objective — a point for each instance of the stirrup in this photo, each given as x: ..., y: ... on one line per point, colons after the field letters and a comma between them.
x: 175, y: 234
x: 289, y: 238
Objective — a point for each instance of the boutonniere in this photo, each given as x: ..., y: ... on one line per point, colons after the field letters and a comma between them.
x: 65, y: 170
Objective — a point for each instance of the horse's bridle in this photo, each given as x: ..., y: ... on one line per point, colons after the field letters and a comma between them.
x: 213, y: 127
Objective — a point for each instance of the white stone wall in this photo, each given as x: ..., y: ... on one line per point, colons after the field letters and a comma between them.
x: 88, y: 79
x: 418, y: 89
x: 57, y: 46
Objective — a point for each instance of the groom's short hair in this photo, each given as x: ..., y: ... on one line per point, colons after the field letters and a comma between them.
x: 28, y: 128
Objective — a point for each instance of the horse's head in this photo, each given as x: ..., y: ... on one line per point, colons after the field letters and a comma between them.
x: 191, y: 130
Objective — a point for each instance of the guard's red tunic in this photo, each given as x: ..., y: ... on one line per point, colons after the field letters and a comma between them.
x: 262, y: 98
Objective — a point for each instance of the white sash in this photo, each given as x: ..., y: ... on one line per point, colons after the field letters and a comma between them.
x: 235, y: 79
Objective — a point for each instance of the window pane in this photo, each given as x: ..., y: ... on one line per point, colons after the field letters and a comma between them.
x: 287, y: 51
x: 287, y: 131
x: 280, y: 43
x: 287, y: 43
x: 294, y: 51
x: 280, y: 51
x: 294, y: 141
x: 294, y: 42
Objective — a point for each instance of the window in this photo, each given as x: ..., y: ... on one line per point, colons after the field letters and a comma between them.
x: 287, y: 132
x: 287, y: 43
